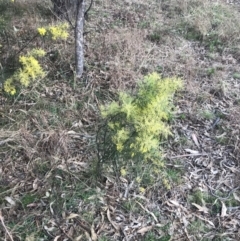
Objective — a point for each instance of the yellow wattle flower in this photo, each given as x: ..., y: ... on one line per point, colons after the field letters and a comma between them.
x: 30, y: 71
x: 42, y: 31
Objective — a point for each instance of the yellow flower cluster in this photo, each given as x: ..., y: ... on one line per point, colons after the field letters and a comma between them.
x: 42, y: 31
x: 59, y: 31
x: 140, y: 122
x: 123, y: 172
x: 9, y: 87
x: 119, y: 139
x: 30, y: 71
x: 166, y: 183
x: 142, y: 189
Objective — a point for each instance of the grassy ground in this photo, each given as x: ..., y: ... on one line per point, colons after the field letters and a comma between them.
x: 50, y: 188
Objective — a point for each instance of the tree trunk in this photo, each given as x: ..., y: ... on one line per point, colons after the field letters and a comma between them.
x: 79, y: 38
x: 73, y: 9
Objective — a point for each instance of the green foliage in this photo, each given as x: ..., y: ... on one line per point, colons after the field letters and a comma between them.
x: 137, y: 124
x: 236, y: 75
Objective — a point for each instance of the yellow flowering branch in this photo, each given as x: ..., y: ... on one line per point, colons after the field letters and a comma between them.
x: 29, y: 72
x: 59, y: 31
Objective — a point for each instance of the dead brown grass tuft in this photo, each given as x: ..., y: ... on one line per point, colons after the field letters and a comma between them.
x: 123, y: 54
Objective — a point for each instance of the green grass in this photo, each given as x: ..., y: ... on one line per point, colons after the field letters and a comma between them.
x: 27, y: 228
x: 28, y: 198
x: 151, y: 236
x: 211, y: 72
x: 174, y: 175
x: 205, y: 199
x: 197, y: 227
x: 41, y: 167
x: 207, y: 114
x: 130, y: 206
x: 155, y: 36
x: 197, y: 197
x: 223, y: 140
x: 104, y: 238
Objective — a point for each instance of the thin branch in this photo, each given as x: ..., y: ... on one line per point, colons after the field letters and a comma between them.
x: 4, y: 226
x: 188, y: 155
x: 86, y: 12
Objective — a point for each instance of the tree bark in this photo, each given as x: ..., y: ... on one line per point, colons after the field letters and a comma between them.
x: 79, y: 58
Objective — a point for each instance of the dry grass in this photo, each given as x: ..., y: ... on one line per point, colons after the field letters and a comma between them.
x: 48, y: 157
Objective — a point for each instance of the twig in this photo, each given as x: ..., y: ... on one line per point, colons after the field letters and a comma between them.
x: 4, y: 226
x: 221, y: 198
x: 9, y: 190
x: 86, y: 12
x: 186, y: 232
x: 186, y: 155
x: 147, y: 211
x: 29, y: 41
x: 5, y: 141
x: 203, y: 219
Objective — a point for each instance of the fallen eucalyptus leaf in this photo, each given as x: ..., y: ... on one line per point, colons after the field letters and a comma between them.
x: 10, y: 201
x: 200, y: 208
x: 224, y: 210
x: 143, y: 230
x: 191, y: 151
